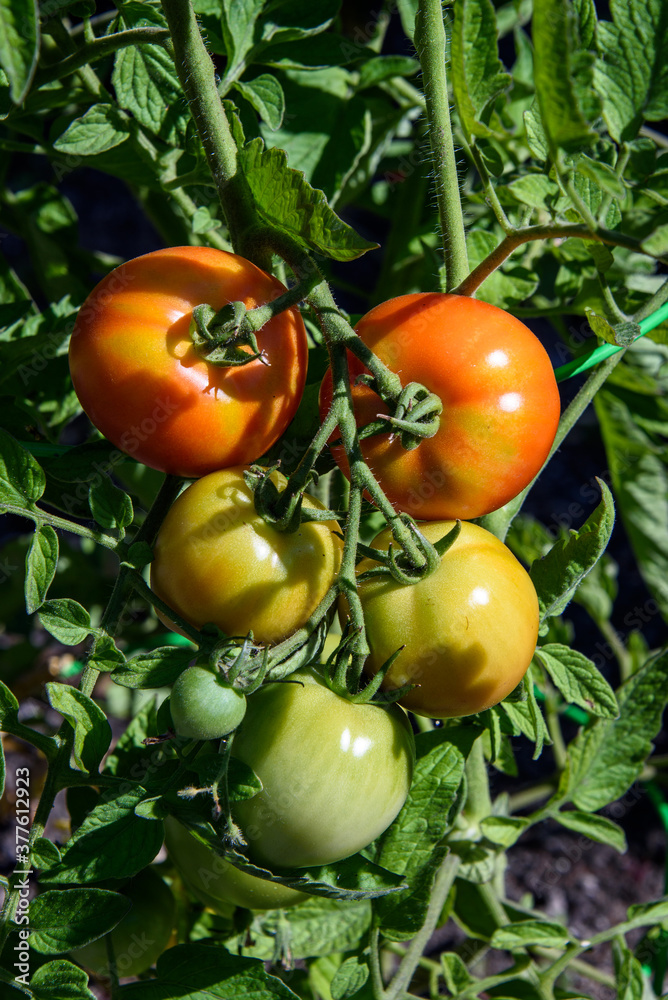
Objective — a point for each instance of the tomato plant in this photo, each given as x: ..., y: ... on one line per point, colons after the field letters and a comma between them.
x: 204, y: 706
x: 141, y: 381
x: 334, y: 774
x: 467, y: 632
x: 143, y: 933
x: 500, y: 404
x: 216, y: 560
x: 216, y: 883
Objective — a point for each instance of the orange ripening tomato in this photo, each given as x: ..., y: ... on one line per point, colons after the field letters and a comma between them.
x: 145, y: 387
x: 467, y: 632
x: 500, y: 404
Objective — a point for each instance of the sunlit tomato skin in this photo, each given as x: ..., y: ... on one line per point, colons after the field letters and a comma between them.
x: 500, y: 404
x: 334, y: 774
x: 204, y: 706
x: 468, y: 630
x: 143, y: 933
x: 216, y: 883
x: 216, y: 560
x: 143, y: 385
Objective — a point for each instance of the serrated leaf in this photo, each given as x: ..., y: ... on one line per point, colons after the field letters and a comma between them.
x: 477, y: 73
x: 503, y: 830
x: 60, y: 980
x: 92, y: 732
x: 66, y: 620
x: 349, y: 978
x: 146, y: 84
x: 601, y: 174
x: 631, y: 75
x: 285, y: 200
x: 578, y: 679
x: 158, y: 668
x: 525, y: 933
x: 266, y: 95
x: 202, y: 222
x: 60, y: 921
x: 101, y: 128
x: 44, y: 853
x: 195, y: 971
x: 602, y: 256
x: 639, y: 473
x: 317, y: 927
x: 597, y: 828
x: 621, y: 334
x: 606, y: 758
x: 557, y: 575
x: 22, y: 480
x: 527, y: 718
x: 112, y: 842
x: 19, y: 44
x: 536, y: 138
x: 534, y: 190
x: 41, y: 562
x: 413, y: 845
x: 561, y: 75
x: 111, y: 507
x: 237, y: 21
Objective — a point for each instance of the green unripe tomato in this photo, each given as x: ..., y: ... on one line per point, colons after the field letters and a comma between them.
x: 218, y: 884
x: 334, y: 774
x: 204, y: 706
x: 141, y: 936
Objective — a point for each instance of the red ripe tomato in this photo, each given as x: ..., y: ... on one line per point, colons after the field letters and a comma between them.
x: 145, y: 387
x: 500, y: 404
x: 467, y: 632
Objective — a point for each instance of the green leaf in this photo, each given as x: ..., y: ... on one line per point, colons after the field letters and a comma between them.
x: 146, y: 84
x: 380, y: 68
x: 101, y: 128
x: 317, y: 927
x: 9, y: 708
x: 196, y: 971
x: 597, y: 828
x: 407, y: 13
x: 630, y: 980
x: 457, y: 976
x: 203, y: 222
x: 557, y: 575
x: 266, y: 95
x: 105, y: 655
x: 413, y: 844
x: 349, y: 978
x: 503, y: 830
x: 536, y: 137
x: 44, y: 853
x: 22, y: 480
x: 578, y: 679
x: 60, y: 980
x: 477, y: 73
x: 92, y: 732
x: 503, y: 288
x: 525, y: 933
x: 112, y: 842
x: 562, y: 76
x: 286, y: 201
x: 41, y: 562
x: 535, y: 190
x: 656, y: 243
x: 636, y: 459
x: 641, y: 914
x: 158, y: 668
x: 19, y: 44
x: 237, y: 22
x: 606, y: 758
x: 601, y: 174
x: 111, y: 507
x: 60, y: 921
x: 621, y: 334
x: 527, y: 718
x: 66, y: 620
x: 631, y: 75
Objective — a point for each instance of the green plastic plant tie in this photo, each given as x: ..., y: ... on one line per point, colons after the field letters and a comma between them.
x: 578, y: 365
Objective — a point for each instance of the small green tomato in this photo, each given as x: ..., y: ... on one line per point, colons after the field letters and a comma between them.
x: 204, y: 706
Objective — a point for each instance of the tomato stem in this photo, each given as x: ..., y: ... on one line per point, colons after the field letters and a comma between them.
x: 430, y: 44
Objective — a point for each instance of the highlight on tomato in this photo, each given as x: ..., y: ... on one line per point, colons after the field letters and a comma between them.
x: 216, y: 560
x: 334, y: 774
x: 142, y: 383
x: 500, y: 404
x: 141, y: 936
x: 467, y: 632
x: 216, y: 883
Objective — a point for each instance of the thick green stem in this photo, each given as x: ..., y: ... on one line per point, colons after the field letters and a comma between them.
x: 41, y: 517
x: 197, y: 75
x: 430, y: 44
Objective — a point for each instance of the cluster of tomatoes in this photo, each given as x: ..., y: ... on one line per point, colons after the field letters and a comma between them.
x: 466, y: 632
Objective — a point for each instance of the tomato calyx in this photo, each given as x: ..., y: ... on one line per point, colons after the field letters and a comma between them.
x: 342, y: 677
x: 417, y: 415
x: 223, y: 337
